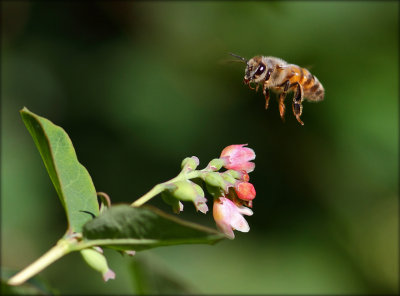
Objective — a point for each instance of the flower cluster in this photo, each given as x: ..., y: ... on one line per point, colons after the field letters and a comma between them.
x: 232, y: 192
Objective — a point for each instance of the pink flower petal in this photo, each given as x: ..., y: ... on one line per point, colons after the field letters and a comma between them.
x: 238, y: 222
x: 227, y: 230
x: 245, y: 211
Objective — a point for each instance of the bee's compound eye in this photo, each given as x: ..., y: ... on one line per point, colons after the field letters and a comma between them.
x: 260, y: 70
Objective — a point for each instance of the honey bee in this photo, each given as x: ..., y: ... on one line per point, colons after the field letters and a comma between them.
x: 276, y: 74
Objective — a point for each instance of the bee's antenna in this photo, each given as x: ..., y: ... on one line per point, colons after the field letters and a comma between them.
x: 239, y: 57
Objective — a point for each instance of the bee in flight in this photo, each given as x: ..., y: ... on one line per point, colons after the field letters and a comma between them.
x: 276, y: 74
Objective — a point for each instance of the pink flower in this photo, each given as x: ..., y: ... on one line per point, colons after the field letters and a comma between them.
x: 245, y: 190
x: 229, y: 216
x: 238, y: 158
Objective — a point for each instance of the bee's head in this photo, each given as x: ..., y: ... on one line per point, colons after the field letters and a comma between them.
x: 255, y: 70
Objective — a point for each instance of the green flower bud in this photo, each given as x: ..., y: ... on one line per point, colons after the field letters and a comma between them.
x: 233, y: 173
x: 169, y: 199
x: 216, y: 164
x: 98, y: 262
x: 239, y: 175
x: 214, y: 191
x: 200, y: 201
x: 190, y: 163
x: 228, y: 178
x: 184, y: 191
x: 198, y: 189
x: 215, y: 179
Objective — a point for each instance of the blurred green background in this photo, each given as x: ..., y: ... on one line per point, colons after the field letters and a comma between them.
x: 138, y: 86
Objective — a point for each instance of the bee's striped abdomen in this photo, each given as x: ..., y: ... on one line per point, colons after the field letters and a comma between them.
x: 313, y: 89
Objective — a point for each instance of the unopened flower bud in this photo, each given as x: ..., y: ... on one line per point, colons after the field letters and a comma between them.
x: 239, y: 175
x: 190, y: 163
x: 200, y: 201
x: 233, y: 173
x: 198, y: 189
x: 245, y: 190
x: 228, y: 178
x: 184, y: 191
x: 168, y: 198
x: 189, y: 191
x: 214, y: 191
x: 216, y: 180
x: 216, y: 164
x: 97, y: 261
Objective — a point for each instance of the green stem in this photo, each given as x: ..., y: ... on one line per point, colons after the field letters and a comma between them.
x: 162, y: 186
x: 67, y: 245
x: 62, y: 248
x: 149, y: 195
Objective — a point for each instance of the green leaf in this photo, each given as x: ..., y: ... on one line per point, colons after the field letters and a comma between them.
x: 125, y: 228
x: 71, y: 180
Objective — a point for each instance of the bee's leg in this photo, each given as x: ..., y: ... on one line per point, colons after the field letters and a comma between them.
x: 298, y: 98
x: 258, y: 85
x: 266, y: 95
x: 265, y: 90
x: 282, y: 98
